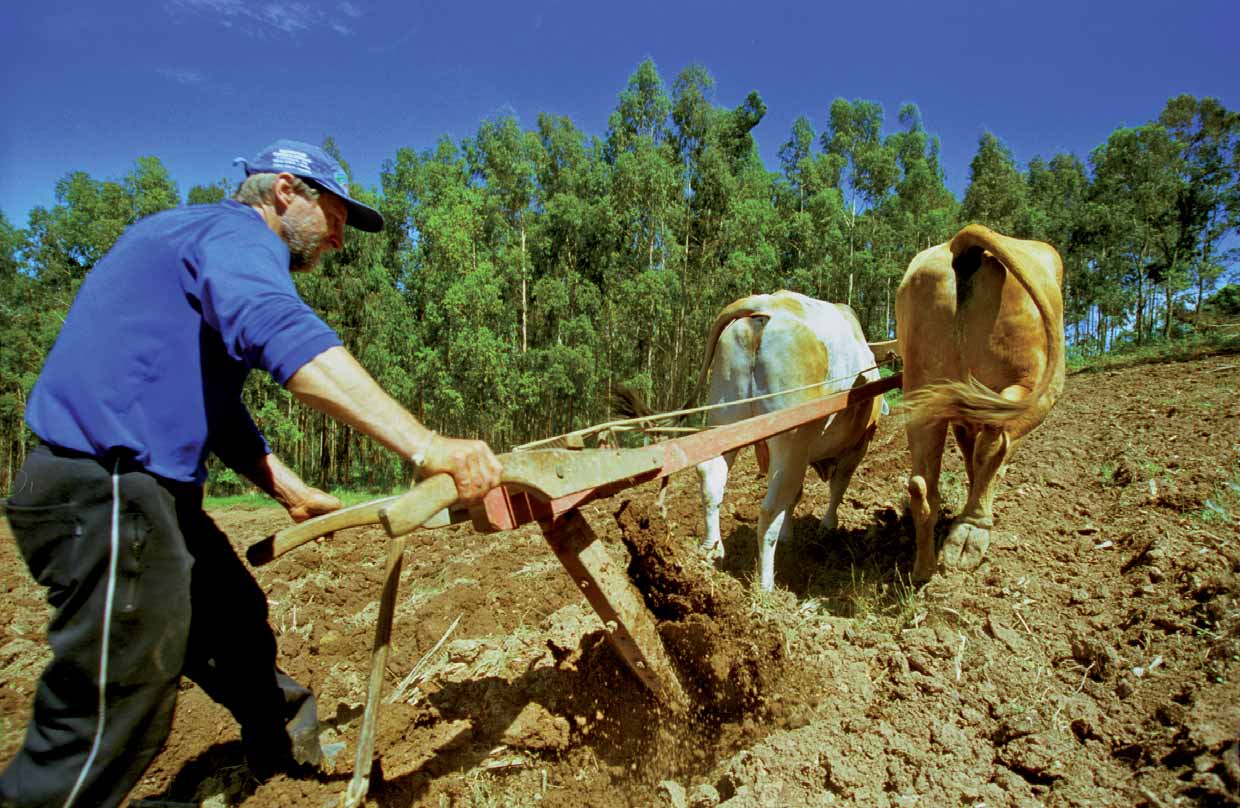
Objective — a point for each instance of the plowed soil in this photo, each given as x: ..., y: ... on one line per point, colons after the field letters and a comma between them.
x: 1093, y: 659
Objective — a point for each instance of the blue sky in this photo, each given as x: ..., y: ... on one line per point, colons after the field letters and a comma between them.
x: 93, y: 86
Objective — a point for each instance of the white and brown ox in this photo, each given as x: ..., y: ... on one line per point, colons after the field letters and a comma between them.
x: 786, y: 341
x: 980, y: 327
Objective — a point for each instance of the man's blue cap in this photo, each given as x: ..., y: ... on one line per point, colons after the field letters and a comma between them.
x: 319, y: 168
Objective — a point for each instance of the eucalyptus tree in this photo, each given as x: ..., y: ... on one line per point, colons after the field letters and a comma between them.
x: 210, y: 194
x: 643, y: 198
x: 20, y: 301
x: 796, y: 159
x: 749, y: 254
x: 698, y: 209
x: 1134, y: 188
x: 996, y: 196
x: 645, y: 185
x: 505, y: 159
x: 642, y: 111
x: 1206, y: 136
x: 455, y: 296
x: 918, y: 213
x: 1057, y: 195
x: 870, y: 171
x: 572, y: 194
x: 573, y: 244
x: 67, y: 239
x: 813, y: 216
x: 928, y: 208
x: 151, y: 187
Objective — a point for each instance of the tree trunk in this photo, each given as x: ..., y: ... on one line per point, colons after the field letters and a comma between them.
x: 1167, y: 323
x: 1140, y: 324
x: 852, y: 227
x: 887, y: 311
x: 524, y: 297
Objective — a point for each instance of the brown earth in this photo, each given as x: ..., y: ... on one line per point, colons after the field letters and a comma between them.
x: 1091, y: 660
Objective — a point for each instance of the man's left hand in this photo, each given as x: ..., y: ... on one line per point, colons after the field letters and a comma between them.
x: 312, y: 502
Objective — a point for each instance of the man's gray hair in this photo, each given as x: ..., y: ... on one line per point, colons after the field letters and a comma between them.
x: 257, y: 189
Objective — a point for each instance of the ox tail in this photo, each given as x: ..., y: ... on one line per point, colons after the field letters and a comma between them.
x: 972, y: 401
x: 752, y: 306
x: 628, y: 403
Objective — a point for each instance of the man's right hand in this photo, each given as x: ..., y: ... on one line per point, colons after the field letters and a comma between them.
x: 472, y: 464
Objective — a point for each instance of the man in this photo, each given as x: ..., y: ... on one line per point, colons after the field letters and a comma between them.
x: 144, y: 380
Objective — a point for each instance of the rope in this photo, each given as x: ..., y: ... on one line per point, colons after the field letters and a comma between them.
x: 644, y: 423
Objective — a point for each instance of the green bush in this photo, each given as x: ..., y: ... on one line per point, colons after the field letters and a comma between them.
x: 1225, y: 301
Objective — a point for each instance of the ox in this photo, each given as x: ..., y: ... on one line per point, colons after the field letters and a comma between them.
x: 766, y: 344
x: 979, y: 322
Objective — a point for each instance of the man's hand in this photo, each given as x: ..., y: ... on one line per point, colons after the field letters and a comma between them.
x: 313, y: 502
x: 281, y: 483
x: 472, y: 464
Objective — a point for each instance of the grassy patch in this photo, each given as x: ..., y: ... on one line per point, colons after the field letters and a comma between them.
x: 255, y: 500
x: 1190, y: 347
x: 893, y: 397
x: 862, y: 592
x: 1223, y: 507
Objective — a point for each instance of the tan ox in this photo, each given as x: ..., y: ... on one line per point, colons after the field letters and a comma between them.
x: 766, y: 344
x: 980, y: 326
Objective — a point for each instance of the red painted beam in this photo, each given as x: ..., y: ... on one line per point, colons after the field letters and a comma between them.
x: 505, y: 510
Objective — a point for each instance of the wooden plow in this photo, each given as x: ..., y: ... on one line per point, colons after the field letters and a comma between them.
x: 549, y: 486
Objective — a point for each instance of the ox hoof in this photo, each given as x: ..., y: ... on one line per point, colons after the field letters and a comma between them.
x: 713, y: 552
x: 923, y: 571
x: 965, y: 546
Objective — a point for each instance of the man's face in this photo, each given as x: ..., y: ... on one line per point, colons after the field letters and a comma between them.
x: 312, y: 227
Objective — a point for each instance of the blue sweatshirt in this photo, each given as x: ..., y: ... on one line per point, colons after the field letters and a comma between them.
x: 151, y: 359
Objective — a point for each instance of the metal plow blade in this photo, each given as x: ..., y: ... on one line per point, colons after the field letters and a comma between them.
x: 630, y: 626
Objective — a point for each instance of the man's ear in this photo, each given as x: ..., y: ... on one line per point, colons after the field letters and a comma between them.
x: 284, y: 192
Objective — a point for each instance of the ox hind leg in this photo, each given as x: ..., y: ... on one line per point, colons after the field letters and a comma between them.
x: 789, y: 461
x: 926, y: 446
x: 986, y: 450
x: 838, y: 474
x: 713, y: 475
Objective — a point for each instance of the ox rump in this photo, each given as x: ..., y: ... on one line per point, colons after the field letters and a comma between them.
x: 979, y: 321
x: 767, y: 344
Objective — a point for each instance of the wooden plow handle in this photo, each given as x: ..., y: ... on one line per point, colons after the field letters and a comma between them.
x: 546, y: 474
x: 367, y: 513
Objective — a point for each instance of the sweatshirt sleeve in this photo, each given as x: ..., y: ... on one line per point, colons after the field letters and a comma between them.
x: 234, y: 437
x: 246, y: 293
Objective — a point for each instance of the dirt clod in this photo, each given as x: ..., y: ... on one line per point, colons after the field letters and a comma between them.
x: 726, y: 657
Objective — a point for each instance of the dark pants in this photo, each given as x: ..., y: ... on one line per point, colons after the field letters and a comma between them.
x: 174, y: 600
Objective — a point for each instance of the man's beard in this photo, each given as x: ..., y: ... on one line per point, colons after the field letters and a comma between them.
x: 304, y: 240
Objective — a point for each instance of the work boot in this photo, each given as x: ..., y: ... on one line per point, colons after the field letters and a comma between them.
x: 293, y: 749
x: 303, y: 734
x: 289, y: 740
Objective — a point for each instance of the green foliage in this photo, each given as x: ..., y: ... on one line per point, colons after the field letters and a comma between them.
x: 1223, y: 507
x: 1128, y: 353
x: 524, y: 273
x: 1225, y: 301
x: 997, y: 194
x: 209, y: 194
